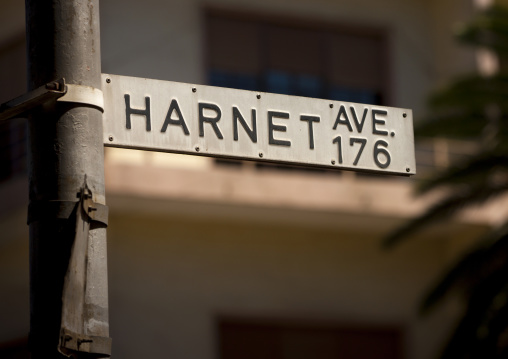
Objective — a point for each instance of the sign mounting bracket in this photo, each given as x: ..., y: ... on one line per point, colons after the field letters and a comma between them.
x: 56, y: 90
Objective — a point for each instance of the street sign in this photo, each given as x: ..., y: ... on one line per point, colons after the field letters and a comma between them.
x: 176, y: 117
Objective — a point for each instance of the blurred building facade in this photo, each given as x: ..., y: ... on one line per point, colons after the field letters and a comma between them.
x: 223, y: 259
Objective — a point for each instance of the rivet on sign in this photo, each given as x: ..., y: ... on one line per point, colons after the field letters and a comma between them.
x: 407, y: 169
x: 108, y: 80
x: 260, y: 154
x: 110, y: 138
x: 333, y: 162
x: 258, y: 96
x: 194, y: 89
x: 197, y: 148
x: 331, y: 105
x: 404, y: 115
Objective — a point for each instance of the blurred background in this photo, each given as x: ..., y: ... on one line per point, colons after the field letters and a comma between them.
x: 229, y: 259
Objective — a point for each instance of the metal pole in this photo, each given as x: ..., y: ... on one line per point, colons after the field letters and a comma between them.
x: 65, y: 147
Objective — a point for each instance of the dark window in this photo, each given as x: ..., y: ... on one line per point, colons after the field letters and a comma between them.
x: 335, y: 62
x: 295, y: 340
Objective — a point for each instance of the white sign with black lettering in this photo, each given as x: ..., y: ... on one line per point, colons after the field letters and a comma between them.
x: 176, y: 117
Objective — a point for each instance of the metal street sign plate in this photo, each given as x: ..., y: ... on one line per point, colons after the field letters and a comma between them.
x: 176, y: 117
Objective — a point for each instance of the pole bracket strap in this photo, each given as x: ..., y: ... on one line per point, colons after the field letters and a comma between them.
x: 74, y: 342
x: 86, y: 95
x: 56, y: 90
x: 38, y: 210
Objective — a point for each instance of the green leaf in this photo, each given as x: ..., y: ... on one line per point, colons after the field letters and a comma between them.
x: 452, y: 124
x: 487, y: 256
x: 473, y: 94
x: 444, y: 209
x: 488, y: 30
x: 476, y: 336
x: 478, y: 170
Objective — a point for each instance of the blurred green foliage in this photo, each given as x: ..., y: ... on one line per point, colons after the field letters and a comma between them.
x: 473, y: 107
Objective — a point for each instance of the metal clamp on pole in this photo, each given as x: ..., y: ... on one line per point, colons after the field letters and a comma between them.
x: 100, y: 347
x: 56, y: 90
x: 85, y: 95
x: 38, y: 210
x: 74, y: 337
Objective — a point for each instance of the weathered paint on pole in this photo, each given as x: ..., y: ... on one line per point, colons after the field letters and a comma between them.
x: 65, y: 147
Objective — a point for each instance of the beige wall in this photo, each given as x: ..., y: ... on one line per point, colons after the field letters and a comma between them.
x: 182, y: 255
x: 170, y: 278
x: 450, y: 58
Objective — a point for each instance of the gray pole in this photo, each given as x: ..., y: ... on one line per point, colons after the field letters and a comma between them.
x: 65, y: 147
